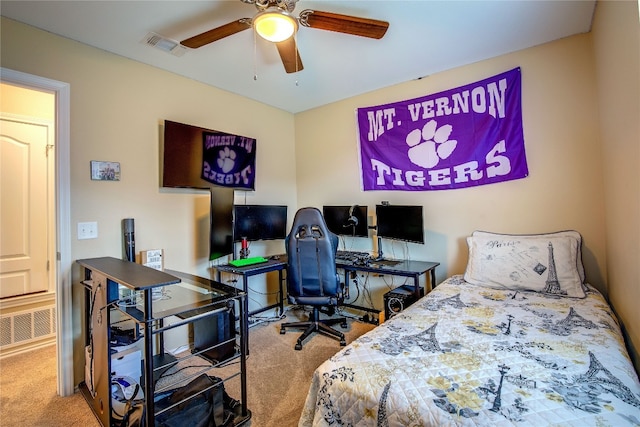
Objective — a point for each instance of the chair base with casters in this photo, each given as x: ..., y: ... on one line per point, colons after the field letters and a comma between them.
x: 315, y: 324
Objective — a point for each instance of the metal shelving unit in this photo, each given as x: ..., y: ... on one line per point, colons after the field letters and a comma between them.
x: 106, y: 281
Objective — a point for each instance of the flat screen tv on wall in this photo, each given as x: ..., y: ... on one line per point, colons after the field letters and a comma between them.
x: 182, y: 156
x: 197, y: 157
x: 182, y: 160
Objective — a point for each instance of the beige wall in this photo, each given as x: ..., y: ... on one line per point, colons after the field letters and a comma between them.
x: 563, y: 191
x: 616, y: 41
x: 25, y: 102
x: 311, y: 159
x: 117, y: 106
x: 580, y: 110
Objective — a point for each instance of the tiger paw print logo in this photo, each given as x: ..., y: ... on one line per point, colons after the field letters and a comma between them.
x: 430, y: 145
x: 226, y: 160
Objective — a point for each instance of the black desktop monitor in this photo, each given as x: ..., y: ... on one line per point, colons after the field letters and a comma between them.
x: 346, y: 220
x: 400, y: 222
x: 259, y: 222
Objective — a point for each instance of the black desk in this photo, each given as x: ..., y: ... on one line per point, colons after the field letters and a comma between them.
x: 247, y: 271
x: 404, y: 268
x: 279, y: 265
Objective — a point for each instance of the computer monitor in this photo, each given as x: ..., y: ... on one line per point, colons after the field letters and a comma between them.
x: 259, y: 222
x: 346, y: 220
x: 400, y: 222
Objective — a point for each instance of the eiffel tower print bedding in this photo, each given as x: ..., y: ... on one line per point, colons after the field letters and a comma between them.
x: 474, y: 355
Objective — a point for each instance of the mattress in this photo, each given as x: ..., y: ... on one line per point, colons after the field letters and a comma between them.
x: 470, y: 355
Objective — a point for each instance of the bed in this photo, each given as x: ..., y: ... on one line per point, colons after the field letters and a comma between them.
x: 519, y: 339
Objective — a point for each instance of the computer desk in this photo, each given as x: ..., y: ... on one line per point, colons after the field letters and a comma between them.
x: 403, y: 268
x: 275, y: 263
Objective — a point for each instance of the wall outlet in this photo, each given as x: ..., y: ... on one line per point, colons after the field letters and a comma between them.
x: 87, y: 230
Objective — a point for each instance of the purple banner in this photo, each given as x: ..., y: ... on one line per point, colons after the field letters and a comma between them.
x: 229, y: 160
x: 463, y: 137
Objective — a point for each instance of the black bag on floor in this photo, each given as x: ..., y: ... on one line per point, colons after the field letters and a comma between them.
x: 211, y: 408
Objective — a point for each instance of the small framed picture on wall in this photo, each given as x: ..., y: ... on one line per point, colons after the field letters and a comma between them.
x: 105, y: 171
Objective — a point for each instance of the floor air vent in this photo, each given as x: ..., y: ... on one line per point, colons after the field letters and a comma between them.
x: 27, y: 326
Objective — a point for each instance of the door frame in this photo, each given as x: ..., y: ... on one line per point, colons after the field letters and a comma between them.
x: 64, y: 323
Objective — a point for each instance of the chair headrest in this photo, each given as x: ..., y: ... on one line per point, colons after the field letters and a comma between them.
x: 306, y: 230
x: 309, y: 222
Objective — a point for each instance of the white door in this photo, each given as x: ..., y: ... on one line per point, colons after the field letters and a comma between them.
x: 24, y: 205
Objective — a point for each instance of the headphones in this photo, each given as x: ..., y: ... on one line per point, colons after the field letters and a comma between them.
x: 352, y: 220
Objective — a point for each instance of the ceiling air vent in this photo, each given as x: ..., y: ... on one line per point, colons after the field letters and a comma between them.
x: 164, y: 44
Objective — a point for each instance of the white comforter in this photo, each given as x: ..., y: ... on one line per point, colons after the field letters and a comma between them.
x: 466, y: 355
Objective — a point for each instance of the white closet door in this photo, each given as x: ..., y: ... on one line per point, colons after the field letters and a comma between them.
x: 24, y: 198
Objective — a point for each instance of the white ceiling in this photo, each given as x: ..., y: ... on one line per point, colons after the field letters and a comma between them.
x: 424, y: 37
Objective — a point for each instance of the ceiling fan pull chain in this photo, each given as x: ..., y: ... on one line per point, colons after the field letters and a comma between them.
x: 295, y: 38
x: 255, y: 58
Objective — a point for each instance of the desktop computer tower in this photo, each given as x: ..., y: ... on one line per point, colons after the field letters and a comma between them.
x: 398, y: 299
x: 215, y: 330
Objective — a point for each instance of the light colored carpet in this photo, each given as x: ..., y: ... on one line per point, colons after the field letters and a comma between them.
x: 28, y: 394
x: 278, y: 378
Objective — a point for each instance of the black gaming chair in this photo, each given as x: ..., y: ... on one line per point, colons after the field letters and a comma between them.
x: 312, y: 278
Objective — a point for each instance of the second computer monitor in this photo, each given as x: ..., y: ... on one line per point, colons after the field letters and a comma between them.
x: 346, y: 220
x: 400, y: 222
x: 259, y: 222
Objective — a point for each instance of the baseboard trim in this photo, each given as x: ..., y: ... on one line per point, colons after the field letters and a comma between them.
x: 13, y: 351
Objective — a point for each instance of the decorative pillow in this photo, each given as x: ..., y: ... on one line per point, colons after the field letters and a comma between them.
x: 546, y: 263
x: 566, y: 233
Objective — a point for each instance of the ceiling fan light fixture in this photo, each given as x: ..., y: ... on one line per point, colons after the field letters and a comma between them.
x: 275, y: 25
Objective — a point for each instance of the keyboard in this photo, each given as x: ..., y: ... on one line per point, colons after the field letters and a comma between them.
x: 352, y: 256
x: 243, y: 262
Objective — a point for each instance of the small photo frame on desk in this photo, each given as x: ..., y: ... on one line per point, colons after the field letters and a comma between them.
x: 105, y: 171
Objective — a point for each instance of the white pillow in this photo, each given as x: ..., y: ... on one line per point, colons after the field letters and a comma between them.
x: 546, y: 263
x: 566, y: 233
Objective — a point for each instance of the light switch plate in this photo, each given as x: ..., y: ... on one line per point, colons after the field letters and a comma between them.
x: 87, y: 230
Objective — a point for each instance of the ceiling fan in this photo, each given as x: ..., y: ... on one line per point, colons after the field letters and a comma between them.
x: 274, y: 15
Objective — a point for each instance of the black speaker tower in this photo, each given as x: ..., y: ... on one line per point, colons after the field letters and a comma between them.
x: 128, y: 230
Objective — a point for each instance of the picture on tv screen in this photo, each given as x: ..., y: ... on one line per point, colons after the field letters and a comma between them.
x: 259, y: 222
x: 346, y: 220
x: 400, y: 222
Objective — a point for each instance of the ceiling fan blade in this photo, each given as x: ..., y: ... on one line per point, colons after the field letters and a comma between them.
x: 290, y: 56
x: 217, y: 33
x: 353, y: 25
